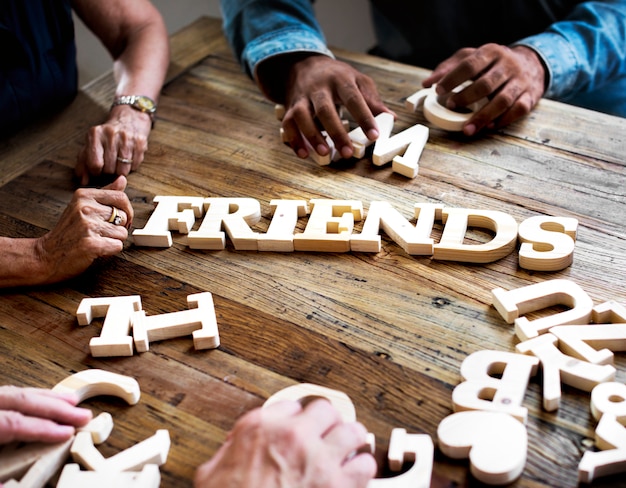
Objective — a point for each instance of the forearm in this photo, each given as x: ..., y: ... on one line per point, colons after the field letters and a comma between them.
x: 263, y: 29
x: 141, y: 67
x: 20, y: 263
x: 585, y: 50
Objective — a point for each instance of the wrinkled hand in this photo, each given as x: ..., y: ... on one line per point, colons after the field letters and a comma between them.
x: 124, y: 135
x: 288, y: 446
x: 83, y: 232
x: 33, y: 414
x: 316, y: 85
x: 512, y: 79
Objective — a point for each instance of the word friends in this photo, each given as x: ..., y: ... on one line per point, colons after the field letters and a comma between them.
x: 547, y: 243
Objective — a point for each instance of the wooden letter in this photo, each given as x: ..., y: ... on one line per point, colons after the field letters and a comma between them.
x: 330, y: 226
x: 410, y: 141
x: 171, y: 212
x: 305, y: 392
x: 495, y: 443
x: 609, y: 312
x: 360, y: 142
x: 94, y: 382
x: 408, y: 447
x: 608, y: 405
x: 199, y: 321
x: 153, y: 450
x: 452, y: 248
x: 235, y: 215
x: 583, y: 341
x: 115, y: 339
x: 557, y: 368
x: 415, y: 240
x: 482, y: 390
x: 511, y: 304
x: 279, y: 235
x: 547, y: 243
x: 73, y: 477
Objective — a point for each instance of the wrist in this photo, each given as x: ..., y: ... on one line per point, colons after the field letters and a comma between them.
x: 140, y: 103
x: 275, y: 75
x: 537, y: 68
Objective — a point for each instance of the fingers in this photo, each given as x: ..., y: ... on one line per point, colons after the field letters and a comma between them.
x: 512, y: 80
x: 29, y: 414
x: 318, y: 84
x: 116, y: 147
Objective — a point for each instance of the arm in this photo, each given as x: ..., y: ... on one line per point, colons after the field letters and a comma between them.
x: 280, y: 45
x: 134, y: 33
x: 286, y: 444
x: 33, y: 414
x: 577, y: 54
x: 82, y: 234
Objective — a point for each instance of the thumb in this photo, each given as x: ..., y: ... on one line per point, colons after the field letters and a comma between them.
x: 118, y: 184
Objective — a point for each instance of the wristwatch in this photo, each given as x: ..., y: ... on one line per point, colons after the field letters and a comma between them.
x: 138, y: 102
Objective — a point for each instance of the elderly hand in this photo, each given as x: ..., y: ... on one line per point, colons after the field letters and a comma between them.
x: 512, y: 79
x: 315, y: 86
x: 115, y: 147
x: 86, y: 230
x: 287, y: 445
x: 33, y: 414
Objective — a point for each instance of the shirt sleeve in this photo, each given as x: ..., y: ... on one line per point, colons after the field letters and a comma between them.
x: 585, y: 50
x: 260, y: 29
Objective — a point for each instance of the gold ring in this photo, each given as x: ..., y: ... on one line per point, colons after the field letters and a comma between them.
x: 125, y: 161
x: 115, y: 218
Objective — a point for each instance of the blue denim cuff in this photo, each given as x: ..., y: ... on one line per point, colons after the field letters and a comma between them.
x: 287, y: 40
x: 560, y: 60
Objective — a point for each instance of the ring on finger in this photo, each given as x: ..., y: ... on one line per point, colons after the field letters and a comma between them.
x: 124, y: 160
x: 115, y: 218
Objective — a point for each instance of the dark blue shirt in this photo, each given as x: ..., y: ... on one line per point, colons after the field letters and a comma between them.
x: 38, y: 73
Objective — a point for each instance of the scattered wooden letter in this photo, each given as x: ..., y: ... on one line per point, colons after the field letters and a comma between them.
x: 115, y: 339
x: 94, y: 382
x: 305, y: 392
x: 73, y: 477
x: 405, y: 447
x: 558, y: 367
x: 199, y: 321
x: 495, y: 443
x: 608, y: 404
x: 511, y: 304
x: 495, y: 381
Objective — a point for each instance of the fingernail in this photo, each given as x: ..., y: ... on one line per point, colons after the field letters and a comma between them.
x: 346, y: 152
x: 302, y: 153
x: 469, y: 129
x: 321, y: 149
x: 372, y: 134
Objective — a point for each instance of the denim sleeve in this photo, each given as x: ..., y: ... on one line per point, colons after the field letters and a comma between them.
x: 259, y: 29
x: 585, y: 50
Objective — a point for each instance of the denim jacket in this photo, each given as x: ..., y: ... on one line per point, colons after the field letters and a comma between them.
x: 583, y: 44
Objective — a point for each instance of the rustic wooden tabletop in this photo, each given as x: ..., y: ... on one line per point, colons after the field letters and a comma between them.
x: 389, y: 329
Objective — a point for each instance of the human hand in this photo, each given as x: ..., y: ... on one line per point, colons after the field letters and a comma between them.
x: 513, y: 80
x: 84, y: 231
x: 34, y: 414
x: 115, y: 147
x: 286, y: 445
x: 316, y: 85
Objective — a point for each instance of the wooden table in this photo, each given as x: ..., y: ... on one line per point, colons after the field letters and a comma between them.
x: 389, y: 329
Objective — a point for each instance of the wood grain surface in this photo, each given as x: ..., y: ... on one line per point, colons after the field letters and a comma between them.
x: 389, y: 329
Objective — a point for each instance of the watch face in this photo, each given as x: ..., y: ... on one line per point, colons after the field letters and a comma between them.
x: 145, y: 104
